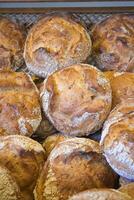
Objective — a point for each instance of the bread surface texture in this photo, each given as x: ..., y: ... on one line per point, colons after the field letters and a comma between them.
x: 56, y: 41
x: 77, y: 99
x: 74, y: 165
x: 117, y: 139
x: 113, y: 43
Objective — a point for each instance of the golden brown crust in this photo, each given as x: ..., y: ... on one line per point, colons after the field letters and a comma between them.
x: 113, y: 43
x: 9, y: 189
x: 128, y: 189
x: 20, y: 111
x: 122, y: 84
x: 73, y: 165
x: 124, y: 181
x: 77, y: 99
x: 101, y: 194
x: 117, y: 139
x: 11, y: 45
x: 51, y: 141
x: 24, y: 158
x: 55, y: 41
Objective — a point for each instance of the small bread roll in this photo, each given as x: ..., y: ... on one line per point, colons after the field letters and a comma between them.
x: 122, y: 84
x: 117, y: 139
x: 113, y: 43
x: 24, y: 158
x: 56, y: 41
x: 12, y: 41
x: 73, y: 165
x: 77, y: 99
x: 20, y: 111
x: 51, y: 141
x: 128, y: 189
x: 9, y: 189
x: 101, y: 194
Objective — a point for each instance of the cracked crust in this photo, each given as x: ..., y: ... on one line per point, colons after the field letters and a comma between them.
x: 20, y: 111
x: 77, y: 99
x: 122, y: 84
x: 54, y: 42
x: 117, y: 139
x: 101, y: 194
x: 113, y: 43
x: 74, y: 165
x: 12, y: 41
x: 24, y: 158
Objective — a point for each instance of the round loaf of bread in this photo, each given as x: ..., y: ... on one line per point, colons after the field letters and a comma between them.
x: 56, y: 41
x: 101, y: 194
x: 117, y: 139
x: 9, y: 189
x: 74, y: 165
x: 128, y: 189
x: 20, y: 111
x: 122, y: 84
x: 77, y: 99
x: 12, y: 41
x: 113, y: 43
x: 24, y: 158
x: 51, y: 141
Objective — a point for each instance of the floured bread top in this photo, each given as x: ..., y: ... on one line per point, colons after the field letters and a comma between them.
x: 118, y: 139
x: 19, y: 104
x: 12, y: 41
x: 122, y: 84
x: 74, y: 165
x: 113, y: 43
x: 101, y: 194
x: 77, y: 99
x: 24, y: 158
x: 9, y: 190
x: 54, y: 42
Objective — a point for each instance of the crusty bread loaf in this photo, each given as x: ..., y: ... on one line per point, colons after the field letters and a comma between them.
x: 56, y: 41
x: 74, y: 165
x: 24, y: 158
x: 77, y: 99
x: 128, y: 189
x: 51, y: 141
x: 113, y: 43
x: 117, y: 139
x: 101, y: 194
x: 12, y: 41
x: 20, y: 111
x: 9, y: 189
x: 122, y: 84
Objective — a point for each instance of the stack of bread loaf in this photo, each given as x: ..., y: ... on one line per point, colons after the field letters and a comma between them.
x: 63, y: 103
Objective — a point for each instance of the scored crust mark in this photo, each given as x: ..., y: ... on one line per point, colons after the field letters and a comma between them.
x: 101, y: 194
x: 12, y: 41
x: 73, y: 165
x: 54, y: 42
x: 20, y: 111
x: 24, y: 158
x: 113, y: 43
x: 118, y: 140
x: 77, y: 99
x: 122, y: 84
